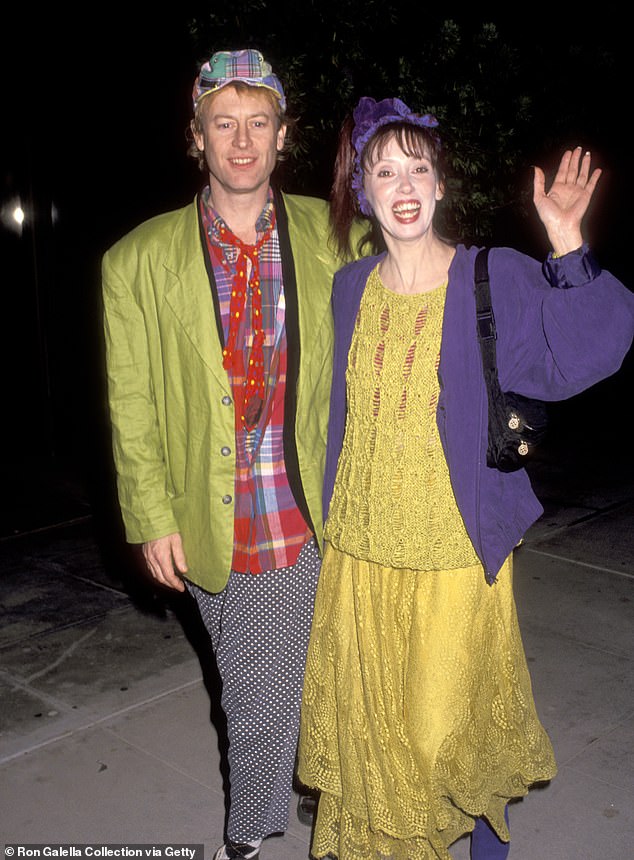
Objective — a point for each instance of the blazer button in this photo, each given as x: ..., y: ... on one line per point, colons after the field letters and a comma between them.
x: 226, y: 500
x: 226, y: 400
x: 225, y: 451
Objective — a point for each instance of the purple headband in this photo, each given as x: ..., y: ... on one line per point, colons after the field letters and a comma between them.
x: 369, y: 115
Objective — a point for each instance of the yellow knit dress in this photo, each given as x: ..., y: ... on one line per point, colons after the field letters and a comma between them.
x: 417, y: 713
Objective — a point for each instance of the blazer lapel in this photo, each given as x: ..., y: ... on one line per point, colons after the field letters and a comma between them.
x: 188, y: 292
x: 305, y: 307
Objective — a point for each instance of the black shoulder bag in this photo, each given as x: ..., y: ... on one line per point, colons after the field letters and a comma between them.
x: 517, y: 424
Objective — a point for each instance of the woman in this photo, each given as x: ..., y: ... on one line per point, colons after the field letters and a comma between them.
x: 418, y: 721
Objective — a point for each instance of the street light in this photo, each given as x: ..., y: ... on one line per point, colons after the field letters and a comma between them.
x: 13, y: 215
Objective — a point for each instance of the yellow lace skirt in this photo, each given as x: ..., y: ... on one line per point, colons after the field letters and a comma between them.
x: 418, y: 714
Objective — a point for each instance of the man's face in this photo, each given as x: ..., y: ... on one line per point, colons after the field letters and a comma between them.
x: 239, y: 133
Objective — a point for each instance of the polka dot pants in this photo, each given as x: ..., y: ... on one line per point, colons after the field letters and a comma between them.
x: 259, y: 627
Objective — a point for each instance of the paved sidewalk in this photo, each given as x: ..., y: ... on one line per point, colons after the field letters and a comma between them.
x: 108, y: 735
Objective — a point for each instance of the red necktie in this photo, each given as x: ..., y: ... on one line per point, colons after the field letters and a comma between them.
x: 254, y: 387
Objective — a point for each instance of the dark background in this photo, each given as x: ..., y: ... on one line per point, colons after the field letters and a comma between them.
x: 96, y: 106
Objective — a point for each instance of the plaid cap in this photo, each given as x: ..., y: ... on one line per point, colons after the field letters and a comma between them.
x: 226, y: 67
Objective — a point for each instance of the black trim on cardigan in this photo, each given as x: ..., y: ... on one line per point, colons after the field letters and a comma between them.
x: 291, y: 459
x: 210, y: 272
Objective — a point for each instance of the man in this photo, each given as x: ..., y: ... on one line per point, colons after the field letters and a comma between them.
x: 218, y: 337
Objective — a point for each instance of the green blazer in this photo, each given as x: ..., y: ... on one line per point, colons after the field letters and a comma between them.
x: 170, y: 400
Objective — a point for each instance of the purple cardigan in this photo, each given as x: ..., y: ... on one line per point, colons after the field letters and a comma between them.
x: 561, y: 328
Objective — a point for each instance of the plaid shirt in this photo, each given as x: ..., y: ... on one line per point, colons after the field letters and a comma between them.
x: 269, y: 530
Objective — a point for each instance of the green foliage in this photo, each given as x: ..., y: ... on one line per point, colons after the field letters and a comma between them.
x: 495, y: 89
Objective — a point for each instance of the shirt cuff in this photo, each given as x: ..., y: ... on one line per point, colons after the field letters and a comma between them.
x: 575, y: 269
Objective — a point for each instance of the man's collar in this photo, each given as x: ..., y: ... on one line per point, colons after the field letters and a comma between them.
x: 215, y: 221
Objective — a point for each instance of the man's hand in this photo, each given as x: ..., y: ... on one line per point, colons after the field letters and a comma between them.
x: 165, y: 559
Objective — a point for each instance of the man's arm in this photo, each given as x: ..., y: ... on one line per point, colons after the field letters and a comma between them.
x: 138, y: 452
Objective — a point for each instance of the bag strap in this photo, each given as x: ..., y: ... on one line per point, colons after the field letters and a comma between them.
x: 487, y: 332
x: 487, y: 335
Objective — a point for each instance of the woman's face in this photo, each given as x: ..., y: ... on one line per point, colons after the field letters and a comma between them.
x: 403, y: 191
